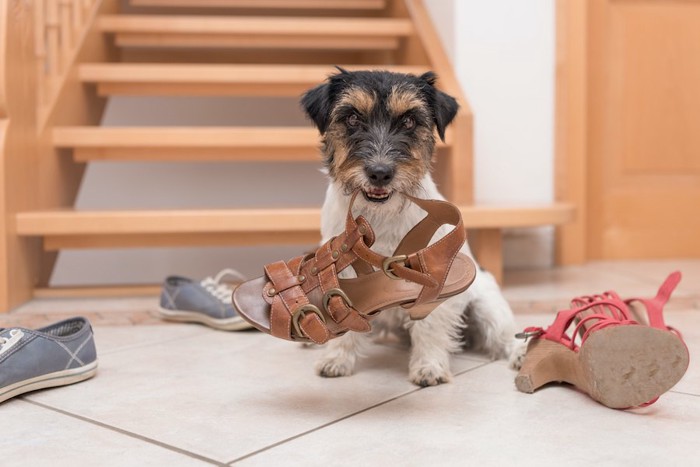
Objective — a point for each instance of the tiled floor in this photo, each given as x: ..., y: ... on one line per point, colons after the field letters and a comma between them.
x: 172, y: 394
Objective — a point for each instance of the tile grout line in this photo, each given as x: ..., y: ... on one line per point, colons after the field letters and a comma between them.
x: 685, y: 393
x: 127, y: 433
x: 149, y: 344
x: 345, y: 417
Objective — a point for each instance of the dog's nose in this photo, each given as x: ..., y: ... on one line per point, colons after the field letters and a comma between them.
x: 380, y: 175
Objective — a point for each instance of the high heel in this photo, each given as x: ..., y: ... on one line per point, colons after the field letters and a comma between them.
x: 610, y: 356
x: 547, y: 362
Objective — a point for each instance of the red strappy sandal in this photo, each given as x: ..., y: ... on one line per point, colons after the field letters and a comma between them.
x: 304, y: 300
x: 619, y: 362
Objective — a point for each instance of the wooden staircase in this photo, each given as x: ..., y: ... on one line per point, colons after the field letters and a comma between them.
x: 67, y: 57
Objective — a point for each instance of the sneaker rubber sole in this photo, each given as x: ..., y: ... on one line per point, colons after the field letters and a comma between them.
x: 226, y: 324
x: 49, y: 380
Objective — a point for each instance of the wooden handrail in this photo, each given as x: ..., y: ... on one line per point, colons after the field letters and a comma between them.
x: 39, y: 43
x: 59, y: 27
x: 18, y: 259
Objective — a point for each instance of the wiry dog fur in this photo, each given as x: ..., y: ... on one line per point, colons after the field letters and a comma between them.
x: 378, y: 136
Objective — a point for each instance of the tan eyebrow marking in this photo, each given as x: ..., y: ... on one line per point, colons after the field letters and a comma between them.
x: 362, y: 100
x: 401, y: 101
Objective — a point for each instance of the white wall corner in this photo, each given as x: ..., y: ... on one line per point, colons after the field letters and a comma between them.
x: 503, y: 55
x: 442, y: 12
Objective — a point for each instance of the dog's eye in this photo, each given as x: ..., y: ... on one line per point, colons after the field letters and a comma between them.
x: 353, y: 120
x: 408, y: 123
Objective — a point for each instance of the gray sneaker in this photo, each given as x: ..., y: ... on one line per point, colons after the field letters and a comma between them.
x: 56, y: 355
x: 207, y: 302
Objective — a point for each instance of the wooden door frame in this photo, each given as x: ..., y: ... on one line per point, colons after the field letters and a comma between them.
x: 571, y: 126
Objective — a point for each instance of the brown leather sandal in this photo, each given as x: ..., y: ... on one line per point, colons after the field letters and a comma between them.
x: 304, y: 300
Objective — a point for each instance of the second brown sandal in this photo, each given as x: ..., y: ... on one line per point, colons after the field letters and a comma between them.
x: 304, y: 300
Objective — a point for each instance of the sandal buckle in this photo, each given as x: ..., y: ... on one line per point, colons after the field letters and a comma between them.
x: 386, y: 266
x: 332, y: 293
x: 528, y: 334
x: 301, y: 312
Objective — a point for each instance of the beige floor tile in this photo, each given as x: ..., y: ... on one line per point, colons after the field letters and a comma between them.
x: 87, y: 305
x: 109, y: 339
x: 564, y: 283
x: 223, y: 395
x: 226, y: 395
x: 482, y: 420
x: 36, y: 436
x: 655, y: 272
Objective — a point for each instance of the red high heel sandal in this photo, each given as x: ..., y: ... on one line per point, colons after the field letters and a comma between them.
x: 618, y: 362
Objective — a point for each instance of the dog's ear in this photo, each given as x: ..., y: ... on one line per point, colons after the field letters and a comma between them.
x: 443, y: 106
x: 316, y: 103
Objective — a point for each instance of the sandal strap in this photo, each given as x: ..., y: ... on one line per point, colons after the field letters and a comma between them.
x: 290, y: 300
x: 335, y: 302
x: 556, y: 332
x: 413, y: 259
x: 292, y: 281
x: 293, y: 313
x: 655, y: 306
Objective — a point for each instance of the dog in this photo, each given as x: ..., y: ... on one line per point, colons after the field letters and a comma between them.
x: 378, y: 135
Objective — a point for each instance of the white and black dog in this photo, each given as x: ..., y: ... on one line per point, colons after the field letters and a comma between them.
x: 378, y: 136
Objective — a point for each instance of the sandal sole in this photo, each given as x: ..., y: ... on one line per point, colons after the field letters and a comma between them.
x: 182, y: 316
x: 50, y: 380
x: 628, y: 366
x: 621, y: 367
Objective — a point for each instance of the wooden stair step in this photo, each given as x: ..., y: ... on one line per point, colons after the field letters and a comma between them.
x: 258, y: 144
x: 213, y: 80
x: 268, y: 4
x: 256, y: 32
x: 189, y: 143
x: 69, y: 228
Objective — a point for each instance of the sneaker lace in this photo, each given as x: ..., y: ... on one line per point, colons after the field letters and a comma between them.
x: 221, y: 290
x: 6, y: 343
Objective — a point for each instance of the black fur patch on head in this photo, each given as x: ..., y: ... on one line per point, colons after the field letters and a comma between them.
x: 378, y: 127
x: 444, y: 106
x: 318, y: 102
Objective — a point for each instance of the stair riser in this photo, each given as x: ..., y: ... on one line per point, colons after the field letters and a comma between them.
x: 77, y: 242
x: 282, y: 154
x: 261, y: 42
x: 202, y: 89
x: 267, y: 4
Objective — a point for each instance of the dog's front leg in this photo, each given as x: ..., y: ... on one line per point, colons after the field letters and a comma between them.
x: 433, y: 339
x: 341, y: 355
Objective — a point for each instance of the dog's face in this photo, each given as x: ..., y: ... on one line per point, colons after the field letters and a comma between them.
x: 378, y: 129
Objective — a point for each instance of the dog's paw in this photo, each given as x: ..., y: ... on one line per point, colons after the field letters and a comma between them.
x: 516, y: 356
x: 334, y: 367
x: 429, y: 376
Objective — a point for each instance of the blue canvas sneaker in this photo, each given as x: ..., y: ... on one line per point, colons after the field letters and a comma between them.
x: 206, y: 302
x: 56, y: 355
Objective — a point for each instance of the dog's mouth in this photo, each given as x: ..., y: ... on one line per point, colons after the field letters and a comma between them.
x: 377, y: 195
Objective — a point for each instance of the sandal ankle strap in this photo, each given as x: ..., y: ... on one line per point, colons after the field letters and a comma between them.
x: 413, y: 260
x: 655, y: 306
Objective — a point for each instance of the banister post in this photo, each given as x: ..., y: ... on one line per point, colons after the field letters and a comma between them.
x: 19, y: 257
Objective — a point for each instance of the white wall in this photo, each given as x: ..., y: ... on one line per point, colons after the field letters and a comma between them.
x: 503, y: 51
x: 505, y: 62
